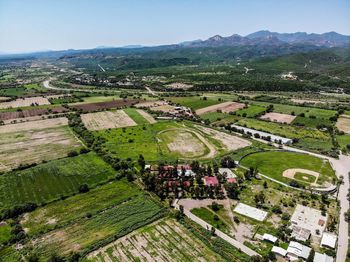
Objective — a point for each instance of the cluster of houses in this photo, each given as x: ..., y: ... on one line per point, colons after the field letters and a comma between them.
x: 181, y: 178
x: 306, y: 222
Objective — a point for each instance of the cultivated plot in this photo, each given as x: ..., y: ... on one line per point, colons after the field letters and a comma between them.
x: 23, y: 102
x: 225, y: 107
x: 278, y: 117
x: 147, y: 116
x: 106, y: 120
x: 343, y: 124
x: 166, y: 240
x: 35, y: 141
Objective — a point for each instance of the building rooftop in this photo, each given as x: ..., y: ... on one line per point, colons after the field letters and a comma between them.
x: 279, y: 251
x: 329, y: 240
x: 211, y: 181
x: 228, y: 172
x: 322, y: 258
x: 300, y: 233
x: 251, y: 212
x: 298, y: 250
x: 270, y: 238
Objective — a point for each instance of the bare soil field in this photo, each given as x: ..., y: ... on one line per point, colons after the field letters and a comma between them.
x: 163, y: 241
x: 35, y: 141
x: 148, y: 104
x: 147, y: 116
x: 179, y: 86
x: 164, y: 108
x: 4, y: 98
x: 31, y: 112
x: 23, y: 102
x: 277, y: 117
x: 107, y: 119
x: 343, y: 124
x: 57, y: 96
x: 116, y: 104
x: 302, y: 101
x: 186, y: 144
x: 228, y: 141
x: 225, y: 107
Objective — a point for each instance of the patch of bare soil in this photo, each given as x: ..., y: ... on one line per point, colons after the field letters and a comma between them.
x: 225, y: 107
x: 290, y: 173
x: 147, y: 116
x: 148, y: 104
x: 277, y: 117
x: 23, y: 102
x: 343, y: 124
x: 107, y: 119
x: 179, y: 86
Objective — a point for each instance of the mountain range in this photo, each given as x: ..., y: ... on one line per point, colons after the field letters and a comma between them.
x: 264, y: 37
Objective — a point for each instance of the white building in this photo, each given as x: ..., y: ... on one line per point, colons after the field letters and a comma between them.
x: 310, y: 219
x: 298, y: 251
x: 227, y: 172
x: 270, y: 238
x: 279, y: 251
x: 329, y: 240
x: 322, y: 258
x: 250, y: 211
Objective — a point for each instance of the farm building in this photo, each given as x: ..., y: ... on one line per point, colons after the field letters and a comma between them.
x: 211, y: 181
x: 251, y: 212
x: 329, y: 240
x: 279, y: 251
x: 322, y: 258
x: 298, y: 251
x: 270, y: 238
x: 231, y: 181
x: 309, y: 219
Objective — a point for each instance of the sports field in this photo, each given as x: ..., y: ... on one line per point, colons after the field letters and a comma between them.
x: 49, y: 181
x: 274, y: 164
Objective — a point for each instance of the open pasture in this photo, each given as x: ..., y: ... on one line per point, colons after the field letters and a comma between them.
x: 35, y: 141
x: 50, y: 181
x: 166, y: 140
x: 343, y: 124
x: 107, y: 119
x: 139, y: 116
x: 275, y: 163
x: 225, y: 107
x: 251, y: 111
x: 146, y: 116
x: 278, y: 117
x: 24, y: 102
x: 195, y: 102
x: 165, y: 240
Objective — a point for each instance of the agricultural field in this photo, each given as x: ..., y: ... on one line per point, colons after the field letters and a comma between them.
x: 25, y: 102
x: 195, y: 102
x: 106, y: 120
x: 160, y: 241
x: 343, y: 140
x: 35, y: 141
x: 251, y: 111
x: 275, y: 164
x: 168, y: 141
x: 278, y: 117
x: 343, y: 124
x: 139, y: 116
x: 226, y: 107
x: 52, y: 180
x: 218, y: 117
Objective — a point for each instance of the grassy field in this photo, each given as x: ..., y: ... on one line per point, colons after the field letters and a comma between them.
x: 308, y: 138
x: 308, y: 111
x: 343, y: 140
x: 166, y: 240
x: 274, y: 163
x: 5, y: 233
x: 209, y: 217
x: 195, y: 102
x: 50, y: 181
x: 251, y: 111
x: 311, y: 122
x: 139, y: 119
x: 163, y: 140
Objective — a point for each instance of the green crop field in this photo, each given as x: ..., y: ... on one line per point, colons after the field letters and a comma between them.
x: 100, y: 228
x: 195, y: 102
x: 275, y: 162
x: 49, y: 181
x: 209, y: 217
x: 308, y: 111
x: 311, y: 122
x: 139, y: 119
x: 56, y: 214
x: 251, y: 111
x: 5, y: 233
x: 166, y: 239
x: 343, y: 140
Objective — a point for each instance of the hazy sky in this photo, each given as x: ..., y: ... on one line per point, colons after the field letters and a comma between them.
x: 27, y: 25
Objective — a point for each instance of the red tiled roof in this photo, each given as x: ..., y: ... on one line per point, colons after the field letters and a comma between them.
x: 211, y: 180
x: 231, y: 180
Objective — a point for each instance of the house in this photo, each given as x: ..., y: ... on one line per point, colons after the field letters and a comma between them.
x: 231, y: 181
x: 185, y: 169
x: 329, y: 240
x: 309, y: 219
x: 298, y: 251
x: 322, y: 258
x: 300, y: 233
x: 279, y: 251
x: 270, y: 238
x: 227, y: 172
x: 211, y: 181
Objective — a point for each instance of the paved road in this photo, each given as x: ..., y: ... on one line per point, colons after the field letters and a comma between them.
x: 219, y: 233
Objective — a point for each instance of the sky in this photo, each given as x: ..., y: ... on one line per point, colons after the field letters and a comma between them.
x: 35, y: 25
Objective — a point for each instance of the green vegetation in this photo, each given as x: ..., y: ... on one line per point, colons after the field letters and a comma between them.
x: 251, y: 111
x: 304, y: 177
x: 211, y: 218
x: 344, y: 141
x: 217, y: 116
x: 139, y: 119
x: 5, y: 233
x: 52, y: 180
x: 275, y: 162
x: 195, y: 102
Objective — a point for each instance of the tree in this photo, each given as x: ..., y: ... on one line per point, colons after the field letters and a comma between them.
x: 311, y: 256
x: 141, y: 162
x: 215, y: 207
x: 212, y: 230
x: 83, y: 188
x: 265, y: 185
